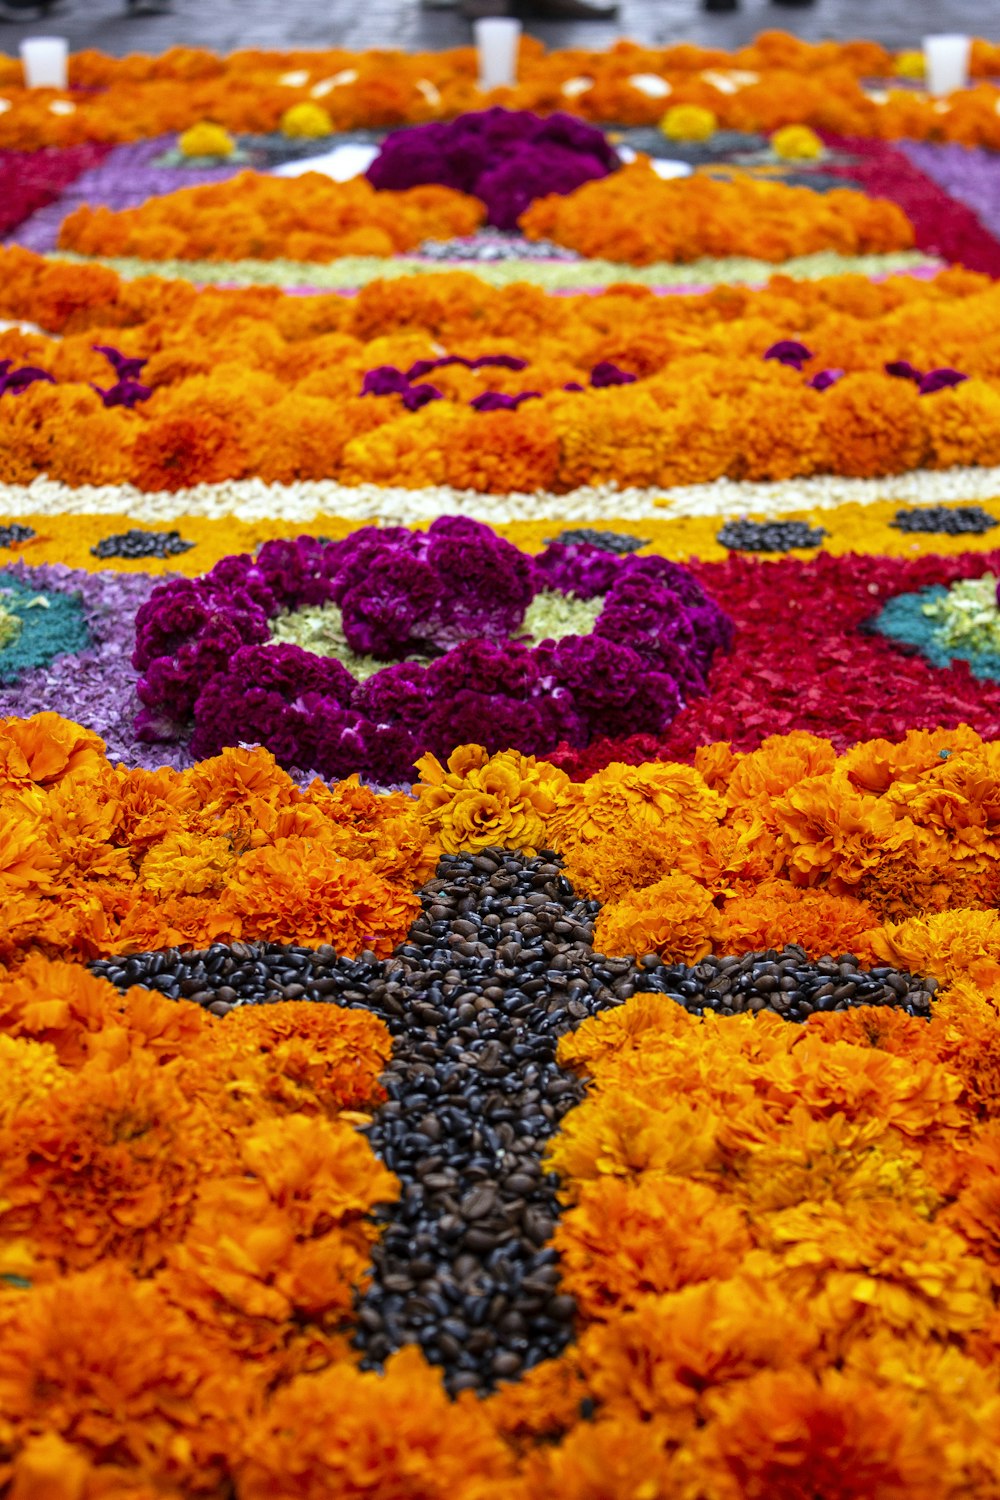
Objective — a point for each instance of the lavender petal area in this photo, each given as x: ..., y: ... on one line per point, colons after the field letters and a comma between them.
x: 965, y: 172
x: 95, y: 687
x: 125, y: 178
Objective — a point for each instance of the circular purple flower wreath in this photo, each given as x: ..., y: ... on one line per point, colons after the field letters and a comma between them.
x: 456, y: 593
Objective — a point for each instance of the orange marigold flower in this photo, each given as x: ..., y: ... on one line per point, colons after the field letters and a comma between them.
x: 103, y: 1362
x: 318, y: 1057
x: 176, y: 452
x: 622, y: 1240
x: 784, y: 1434
x: 299, y: 890
x: 618, y: 1456
x: 875, y: 424
x: 325, y: 1434
x: 108, y: 1164
x: 671, y: 1350
x: 778, y: 912
x: 45, y: 748
x: 676, y: 918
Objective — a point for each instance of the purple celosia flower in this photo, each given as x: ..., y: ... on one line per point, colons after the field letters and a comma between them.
x: 789, y: 352
x: 13, y: 382
x: 605, y: 373
x: 903, y: 370
x: 506, y: 158
x: 385, y: 380
x: 825, y: 379
x: 125, y: 392
x: 125, y: 366
x: 940, y: 380
x: 497, y: 401
x: 420, y: 395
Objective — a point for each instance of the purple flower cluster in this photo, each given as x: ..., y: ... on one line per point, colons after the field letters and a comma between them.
x: 457, y: 593
x: 13, y: 382
x: 790, y: 352
x: 506, y: 158
x: 387, y: 380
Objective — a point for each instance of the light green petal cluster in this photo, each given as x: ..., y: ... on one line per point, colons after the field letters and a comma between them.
x: 550, y: 616
x: 10, y: 626
x: 358, y: 270
x: 319, y: 628
x: 966, y: 618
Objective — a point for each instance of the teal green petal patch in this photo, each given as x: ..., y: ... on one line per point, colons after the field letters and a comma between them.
x: 945, y: 625
x: 37, y: 627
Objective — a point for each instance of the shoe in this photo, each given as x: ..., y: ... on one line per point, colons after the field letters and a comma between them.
x: 566, y: 10
x: 720, y: 7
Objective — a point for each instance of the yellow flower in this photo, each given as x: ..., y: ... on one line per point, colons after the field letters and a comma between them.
x: 306, y: 120
x: 484, y: 801
x: 688, y: 122
x: 206, y: 139
x: 796, y: 143
x: 910, y: 65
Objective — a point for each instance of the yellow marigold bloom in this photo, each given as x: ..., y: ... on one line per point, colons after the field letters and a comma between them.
x: 306, y: 120
x: 689, y: 122
x: 640, y: 797
x: 796, y: 143
x: 874, y: 1265
x: 676, y: 918
x: 832, y: 1158
x: 206, y: 139
x: 480, y: 800
x: 618, y: 1133
x: 31, y: 1070
x: 910, y: 65
x: 187, y: 864
x: 947, y: 945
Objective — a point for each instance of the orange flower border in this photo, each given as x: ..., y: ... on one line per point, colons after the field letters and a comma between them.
x: 773, y: 1233
x: 775, y: 81
x: 704, y: 403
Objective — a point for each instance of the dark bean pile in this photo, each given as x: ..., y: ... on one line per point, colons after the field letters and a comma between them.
x: 12, y: 536
x: 785, y: 981
x: 136, y: 543
x: 950, y: 521
x: 770, y: 536
x: 497, y: 967
x: 618, y: 542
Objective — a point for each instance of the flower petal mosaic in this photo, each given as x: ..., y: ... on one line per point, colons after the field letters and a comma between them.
x: 500, y: 777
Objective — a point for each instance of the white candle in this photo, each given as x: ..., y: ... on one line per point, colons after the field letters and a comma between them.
x: 46, y: 62
x: 947, y: 59
x: 496, y: 40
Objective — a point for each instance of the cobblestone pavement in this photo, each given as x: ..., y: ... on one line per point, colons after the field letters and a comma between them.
x: 228, y: 24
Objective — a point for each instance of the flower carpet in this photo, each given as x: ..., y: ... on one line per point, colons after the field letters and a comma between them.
x: 500, y: 777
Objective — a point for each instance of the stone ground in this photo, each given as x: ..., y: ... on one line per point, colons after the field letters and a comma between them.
x: 225, y: 25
